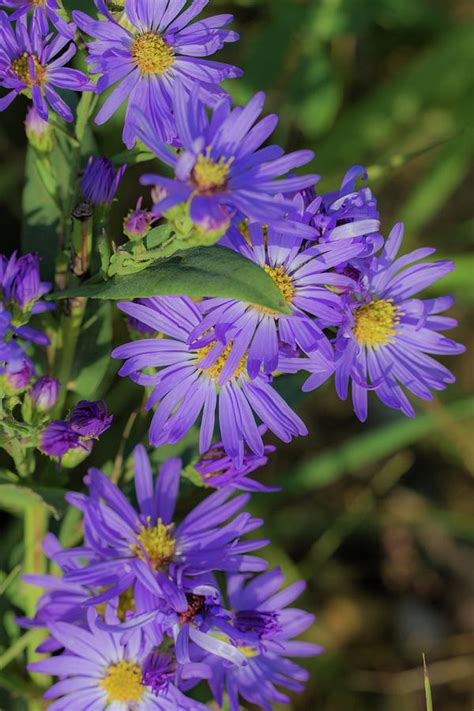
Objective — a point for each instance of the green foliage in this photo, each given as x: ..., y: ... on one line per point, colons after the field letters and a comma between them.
x: 369, y: 447
x: 92, y: 356
x: 203, y: 271
x: 18, y: 497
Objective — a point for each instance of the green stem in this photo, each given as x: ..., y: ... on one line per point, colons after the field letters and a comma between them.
x: 70, y: 330
x: 24, y: 463
x: 34, y: 562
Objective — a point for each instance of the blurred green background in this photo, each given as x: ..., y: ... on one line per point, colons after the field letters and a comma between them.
x: 379, y: 519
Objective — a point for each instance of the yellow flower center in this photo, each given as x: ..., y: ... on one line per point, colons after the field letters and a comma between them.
x: 152, y: 54
x: 123, y: 683
x: 157, y: 543
x: 126, y: 603
x: 215, y: 370
x: 282, y: 281
x: 37, y: 2
x: 21, y: 67
x: 375, y: 322
x: 209, y: 175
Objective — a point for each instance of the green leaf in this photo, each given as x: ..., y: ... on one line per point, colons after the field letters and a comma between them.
x: 41, y: 216
x: 92, y: 357
x: 203, y: 271
x: 17, y: 498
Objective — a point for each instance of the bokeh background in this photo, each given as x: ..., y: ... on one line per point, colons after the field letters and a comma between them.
x: 378, y: 518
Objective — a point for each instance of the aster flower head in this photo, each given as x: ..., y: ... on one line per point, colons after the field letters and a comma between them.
x: 129, y: 541
x: 264, y: 627
x: 200, y: 379
x: 20, y: 283
x: 43, y: 12
x: 100, y: 181
x: 90, y: 419
x: 222, y: 171
x: 149, y: 50
x: 348, y: 217
x: 44, y: 393
x: 217, y: 470
x: 33, y: 64
x: 97, y: 671
x: 390, y: 335
x: 307, y: 282
x: 137, y: 223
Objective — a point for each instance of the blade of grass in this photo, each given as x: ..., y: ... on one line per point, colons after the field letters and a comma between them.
x: 429, y: 700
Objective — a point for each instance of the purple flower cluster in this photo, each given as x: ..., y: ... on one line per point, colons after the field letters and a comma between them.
x: 74, y: 436
x: 21, y: 290
x: 142, y: 593
x: 139, y: 616
x: 351, y: 314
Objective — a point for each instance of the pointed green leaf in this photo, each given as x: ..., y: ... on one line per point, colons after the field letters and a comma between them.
x: 16, y: 498
x: 203, y: 271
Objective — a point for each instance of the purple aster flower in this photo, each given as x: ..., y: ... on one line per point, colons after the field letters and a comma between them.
x: 306, y: 280
x: 265, y: 628
x: 100, y: 181
x: 32, y: 63
x: 347, y: 218
x: 20, y: 283
x: 44, y: 393
x: 192, y: 380
x: 58, y: 438
x: 222, y: 166
x: 90, y: 419
x: 196, y: 620
x: 217, y: 470
x: 43, y: 12
x: 126, y: 540
x: 137, y: 223
x: 389, y: 336
x: 145, y: 59
x: 98, y: 672
x: 66, y: 601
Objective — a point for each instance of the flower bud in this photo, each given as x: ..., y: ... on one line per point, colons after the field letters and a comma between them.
x: 57, y: 439
x: 137, y: 223
x: 17, y: 381
x: 44, y: 393
x: 100, y: 181
x: 90, y: 419
x: 76, y: 456
x: 38, y: 131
